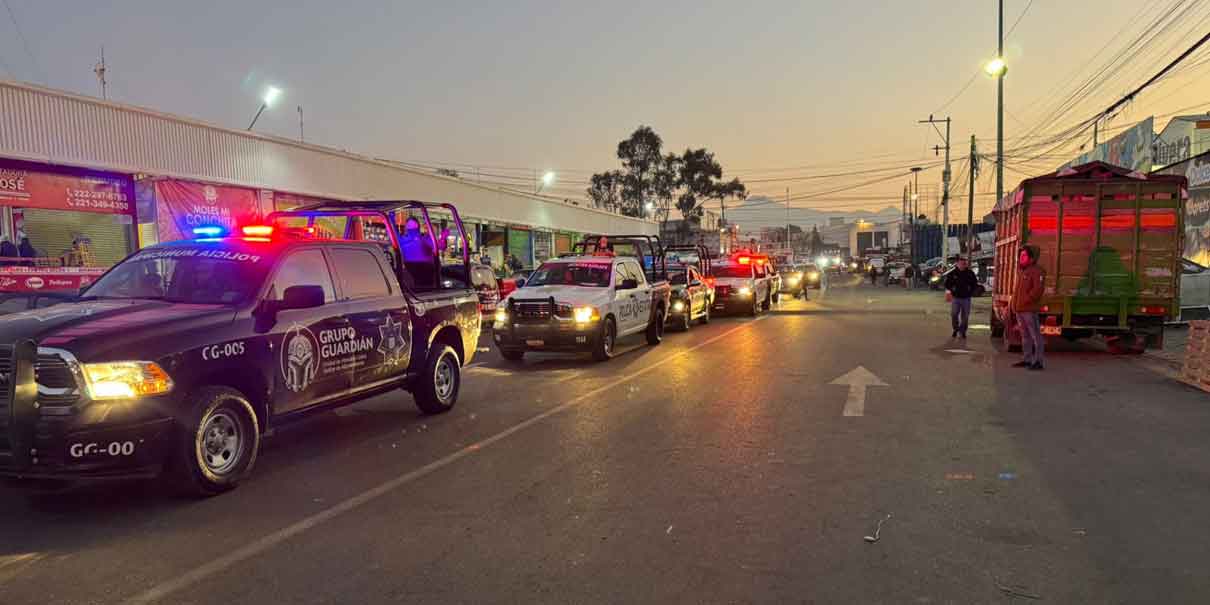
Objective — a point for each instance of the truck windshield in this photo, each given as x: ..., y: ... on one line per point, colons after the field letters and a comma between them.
x: 593, y: 275
x: 184, y: 279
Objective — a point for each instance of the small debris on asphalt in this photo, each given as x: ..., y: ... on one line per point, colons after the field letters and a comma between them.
x: 1080, y: 531
x: 669, y: 530
x: 1014, y: 591
x: 878, y: 530
x: 1007, y: 476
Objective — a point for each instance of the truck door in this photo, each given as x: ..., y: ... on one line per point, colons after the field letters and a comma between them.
x: 375, y: 342
x: 639, y: 302
x: 303, y: 376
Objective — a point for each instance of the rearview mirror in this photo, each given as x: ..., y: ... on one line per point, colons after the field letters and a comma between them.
x: 301, y: 297
x: 628, y: 284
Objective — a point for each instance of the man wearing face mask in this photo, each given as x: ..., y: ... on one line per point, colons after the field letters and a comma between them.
x: 1026, y: 302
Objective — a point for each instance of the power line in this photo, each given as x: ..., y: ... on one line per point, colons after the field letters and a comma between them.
x: 25, y: 43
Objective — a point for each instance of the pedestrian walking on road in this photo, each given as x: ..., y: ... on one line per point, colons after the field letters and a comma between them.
x: 909, y: 276
x: 873, y: 275
x: 1026, y: 302
x: 960, y: 285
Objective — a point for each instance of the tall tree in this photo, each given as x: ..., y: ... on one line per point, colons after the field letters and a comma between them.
x: 606, y: 190
x: 699, y: 179
x: 731, y: 189
x: 641, y: 155
x: 665, y: 183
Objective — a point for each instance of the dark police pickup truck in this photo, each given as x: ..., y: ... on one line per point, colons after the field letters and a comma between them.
x: 182, y: 356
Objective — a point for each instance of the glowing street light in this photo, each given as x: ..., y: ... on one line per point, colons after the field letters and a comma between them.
x: 270, y: 97
x: 996, y: 67
x: 548, y: 179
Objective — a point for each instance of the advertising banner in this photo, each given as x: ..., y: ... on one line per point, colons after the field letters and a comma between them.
x: 1197, y: 207
x: 185, y: 205
x: 24, y: 188
x: 1131, y: 148
x: 31, y: 279
x: 1182, y: 138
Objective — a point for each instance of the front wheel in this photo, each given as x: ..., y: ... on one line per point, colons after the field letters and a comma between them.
x: 437, y: 388
x: 218, y: 445
x: 602, y: 348
x: 655, y: 329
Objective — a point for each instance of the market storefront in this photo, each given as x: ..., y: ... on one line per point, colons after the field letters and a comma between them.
x: 61, y: 228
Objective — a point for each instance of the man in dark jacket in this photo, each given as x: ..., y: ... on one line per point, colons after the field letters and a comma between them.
x: 1025, y: 304
x: 960, y: 285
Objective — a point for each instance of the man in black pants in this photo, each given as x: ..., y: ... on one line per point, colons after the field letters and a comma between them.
x: 960, y: 285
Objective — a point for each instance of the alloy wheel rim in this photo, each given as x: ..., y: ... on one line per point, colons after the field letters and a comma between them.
x: 444, y: 378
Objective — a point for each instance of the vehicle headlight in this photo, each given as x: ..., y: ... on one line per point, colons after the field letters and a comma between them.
x: 584, y: 315
x: 792, y: 280
x: 501, y: 316
x: 745, y: 291
x: 935, y: 279
x: 678, y: 305
x: 814, y: 275
x: 125, y: 379
x: 852, y: 265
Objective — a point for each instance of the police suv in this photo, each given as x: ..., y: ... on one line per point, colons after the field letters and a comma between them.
x: 181, y: 356
x: 582, y: 303
x: 747, y: 283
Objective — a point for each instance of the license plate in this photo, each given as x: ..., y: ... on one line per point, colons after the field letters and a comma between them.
x: 1052, y: 330
x: 533, y: 342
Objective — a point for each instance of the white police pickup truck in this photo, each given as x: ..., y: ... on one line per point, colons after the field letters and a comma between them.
x: 582, y: 303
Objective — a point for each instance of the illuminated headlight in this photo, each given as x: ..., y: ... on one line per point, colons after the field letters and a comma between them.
x: 584, y: 315
x: 501, y: 316
x: 125, y: 379
x: 934, y: 279
x: 814, y: 275
x: 744, y: 291
x: 792, y: 281
x: 852, y: 265
x: 678, y: 306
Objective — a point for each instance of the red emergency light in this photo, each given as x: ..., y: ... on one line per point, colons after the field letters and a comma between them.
x: 257, y: 230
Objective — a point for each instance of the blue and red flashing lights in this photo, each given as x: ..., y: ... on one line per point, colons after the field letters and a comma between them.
x: 209, y: 231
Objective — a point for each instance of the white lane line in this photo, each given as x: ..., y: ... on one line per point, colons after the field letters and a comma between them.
x: 161, y: 591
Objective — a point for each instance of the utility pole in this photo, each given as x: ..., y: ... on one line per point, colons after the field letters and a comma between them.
x: 999, y: 111
x: 914, y: 205
x: 99, y: 69
x: 945, y: 180
x: 300, y: 125
x: 788, y: 246
x: 970, y: 205
x: 1095, y: 125
x: 903, y: 222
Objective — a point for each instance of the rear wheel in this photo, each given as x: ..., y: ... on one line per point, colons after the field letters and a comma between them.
x: 218, y: 445
x: 602, y: 348
x: 655, y: 329
x: 437, y: 390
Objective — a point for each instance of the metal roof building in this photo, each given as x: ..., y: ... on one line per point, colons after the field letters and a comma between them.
x: 50, y: 126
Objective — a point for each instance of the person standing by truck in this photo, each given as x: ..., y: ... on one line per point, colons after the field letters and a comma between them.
x: 960, y: 285
x: 1026, y: 299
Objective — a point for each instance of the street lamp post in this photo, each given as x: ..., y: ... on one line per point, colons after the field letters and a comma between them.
x: 271, y: 95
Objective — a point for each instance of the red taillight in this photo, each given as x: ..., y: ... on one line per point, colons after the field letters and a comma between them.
x: 710, y: 281
x: 1153, y: 310
x: 257, y: 230
x: 1045, y: 308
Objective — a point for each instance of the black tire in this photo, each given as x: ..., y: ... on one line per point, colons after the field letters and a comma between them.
x: 655, y: 328
x: 705, y: 318
x: 513, y: 354
x: 216, y: 446
x: 776, y: 297
x: 768, y: 304
x: 602, y: 347
x: 436, y: 390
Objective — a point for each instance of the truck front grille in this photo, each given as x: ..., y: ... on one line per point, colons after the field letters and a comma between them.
x: 532, y: 310
x: 57, y: 385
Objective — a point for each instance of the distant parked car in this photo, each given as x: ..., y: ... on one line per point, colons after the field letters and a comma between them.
x: 1195, y: 291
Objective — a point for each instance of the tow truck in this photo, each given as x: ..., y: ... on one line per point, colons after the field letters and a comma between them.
x: 745, y: 282
x: 184, y: 355
x: 608, y: 288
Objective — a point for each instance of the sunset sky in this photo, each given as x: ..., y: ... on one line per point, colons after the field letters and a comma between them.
x: 777, y: 89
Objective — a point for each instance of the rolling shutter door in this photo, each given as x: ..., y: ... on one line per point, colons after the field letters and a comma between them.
x: 51, y: 232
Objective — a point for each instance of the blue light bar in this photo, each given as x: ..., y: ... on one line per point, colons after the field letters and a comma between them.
x: 208, y: 231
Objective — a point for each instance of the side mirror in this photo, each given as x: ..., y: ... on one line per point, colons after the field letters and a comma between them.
x: 628, y: 284
x: 301, y: 297
x: 520, y: 281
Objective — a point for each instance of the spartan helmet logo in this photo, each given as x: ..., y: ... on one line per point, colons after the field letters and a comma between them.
x: 299, y: 363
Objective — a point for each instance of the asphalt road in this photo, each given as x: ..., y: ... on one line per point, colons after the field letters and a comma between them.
x: 719, y: 467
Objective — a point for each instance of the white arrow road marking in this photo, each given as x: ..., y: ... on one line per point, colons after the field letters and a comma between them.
x: 858, y: 379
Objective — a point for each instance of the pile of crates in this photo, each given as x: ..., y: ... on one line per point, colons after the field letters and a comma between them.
x: 1196, y: 371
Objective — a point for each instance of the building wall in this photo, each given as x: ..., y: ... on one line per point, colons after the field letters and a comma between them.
x: 44, y: 125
